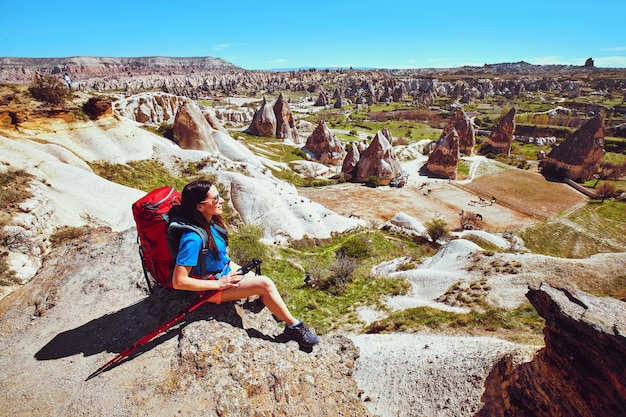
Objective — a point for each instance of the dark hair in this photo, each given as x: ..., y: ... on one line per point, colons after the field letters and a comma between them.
x: 192, y: 194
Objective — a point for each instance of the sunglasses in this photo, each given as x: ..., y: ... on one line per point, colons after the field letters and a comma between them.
x: 216, y: 199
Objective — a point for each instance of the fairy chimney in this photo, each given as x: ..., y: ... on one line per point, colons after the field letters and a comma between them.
x: 379, y: 160
x: 500, y: 139
x: 322, y: 99
x: 263, y: 122
x: 443, y: 161
x: 348, y: 168
x: 285, y: 126
x: 465, y: 130
x: 579, y: 156
x: 192, y: 130
x: 324, y: 145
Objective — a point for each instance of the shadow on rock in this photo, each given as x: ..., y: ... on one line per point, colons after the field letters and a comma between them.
x: 117, y: 332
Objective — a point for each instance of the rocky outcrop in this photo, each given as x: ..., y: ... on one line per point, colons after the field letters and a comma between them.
x: 263, y: 122
x: 379, y: 160
x: 581, y: 371
x: 82, y: 67
x: 276, y: 121
x: 465, y: 130
x: 150, y: 108
x: 285, y: 125
x: 501, y: 137
x: 322, y: 100
x: 230, y: 358
x: 350, y: 162
x: 192, y: 130
x: 324, y: 145
x: 444, y: 159
x: 579, y: 156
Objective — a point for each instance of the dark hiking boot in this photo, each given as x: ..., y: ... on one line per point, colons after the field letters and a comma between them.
x: 302, y: 334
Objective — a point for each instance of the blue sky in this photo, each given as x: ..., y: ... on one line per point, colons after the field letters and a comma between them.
x: 321, y: 33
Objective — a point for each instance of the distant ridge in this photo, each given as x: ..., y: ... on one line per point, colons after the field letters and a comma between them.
x: 15, y: 69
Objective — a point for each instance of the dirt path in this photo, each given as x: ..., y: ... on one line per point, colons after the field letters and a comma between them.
x: 426, y: 198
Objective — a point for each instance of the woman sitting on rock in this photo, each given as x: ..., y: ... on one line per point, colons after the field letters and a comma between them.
x: 201, y: 205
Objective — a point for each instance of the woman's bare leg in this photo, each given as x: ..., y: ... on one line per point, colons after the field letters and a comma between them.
x: 266, y: 289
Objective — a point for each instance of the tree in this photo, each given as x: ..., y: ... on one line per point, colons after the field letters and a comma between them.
x: 50, y: 89
x: 437, y: 229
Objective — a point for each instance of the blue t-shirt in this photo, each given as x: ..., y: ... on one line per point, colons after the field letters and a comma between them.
x: 190, y: 247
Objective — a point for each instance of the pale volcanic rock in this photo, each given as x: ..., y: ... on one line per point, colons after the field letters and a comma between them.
x: 444, y: 159
x: 579, y: 156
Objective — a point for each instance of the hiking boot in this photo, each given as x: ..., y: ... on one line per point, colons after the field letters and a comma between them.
x: 302, y: 334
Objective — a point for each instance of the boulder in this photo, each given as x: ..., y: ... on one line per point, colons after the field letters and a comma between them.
x: 579, y: 156
x: 501, y: 137
x: 581, y: 369
x: 379, y: 160
x: 444, y: 159
x: 324, y: 145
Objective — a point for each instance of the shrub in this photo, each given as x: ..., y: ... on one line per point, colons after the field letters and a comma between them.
x: 357, y: 247
x: 50, y: 89
x: 605, y: 190
x: 372, y: 181
x: 437, y: 229
x: 245, y: 245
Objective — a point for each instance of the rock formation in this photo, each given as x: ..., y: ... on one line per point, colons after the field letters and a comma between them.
x: 350, y: 162
x: 192, y: 130
x: 150, y: 108
x: 465, y: 130
x: 221, y: 360
x: 444, y: 159
x: 322, y: 99
x: 581, y: 371
x: 379, y: 160
x: 578, y: 157
x: 285, y: 126
x: 324, y: 145
x: 263, y: 122
x: 500, y: 139
x: 276, y: 121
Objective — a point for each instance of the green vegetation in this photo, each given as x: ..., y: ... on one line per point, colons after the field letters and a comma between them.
x: 522, y: 324
x: 593, y: 228
x: 437, y: 229
x: 50, y: 89
x: 325, y: 281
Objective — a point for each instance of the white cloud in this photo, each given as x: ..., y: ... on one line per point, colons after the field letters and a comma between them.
x: 222, y: 46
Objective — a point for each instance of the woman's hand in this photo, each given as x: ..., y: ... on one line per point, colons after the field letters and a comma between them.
x: 230, y: 281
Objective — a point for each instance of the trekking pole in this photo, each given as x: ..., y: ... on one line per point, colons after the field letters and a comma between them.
x: 254, y: 264
x: 129, y: 351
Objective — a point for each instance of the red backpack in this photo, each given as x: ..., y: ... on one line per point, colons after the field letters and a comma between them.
x: 158, y: 235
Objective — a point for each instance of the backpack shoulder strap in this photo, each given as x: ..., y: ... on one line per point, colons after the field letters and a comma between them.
x: 220, y: 229
x: 175, y: 229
